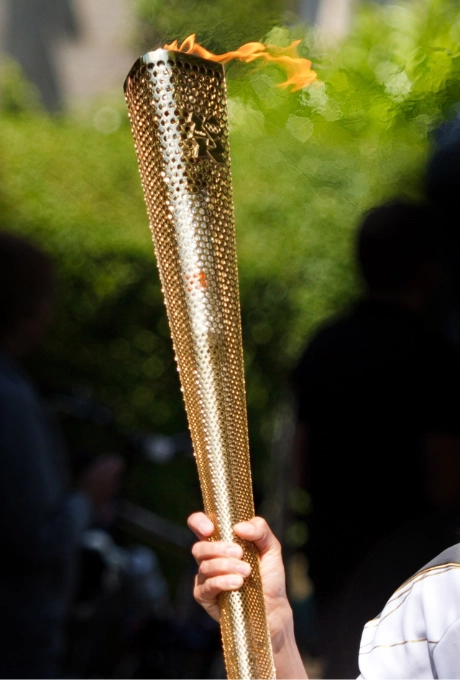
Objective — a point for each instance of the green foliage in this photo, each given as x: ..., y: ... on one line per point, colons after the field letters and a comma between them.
x: 305, y: 166
x: 16, y: 94
x: 221, y: 25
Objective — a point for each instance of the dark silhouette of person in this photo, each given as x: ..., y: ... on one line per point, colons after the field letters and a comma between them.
x: 442, y: 186
x: 41, y: 516
x: 377, y: 442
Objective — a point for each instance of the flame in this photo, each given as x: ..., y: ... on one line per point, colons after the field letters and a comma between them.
x: 298, y: 70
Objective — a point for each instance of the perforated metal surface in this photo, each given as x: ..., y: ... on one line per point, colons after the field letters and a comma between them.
x: 177, y: 107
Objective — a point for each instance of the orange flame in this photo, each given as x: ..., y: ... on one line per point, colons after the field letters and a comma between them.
x: 297, y: 68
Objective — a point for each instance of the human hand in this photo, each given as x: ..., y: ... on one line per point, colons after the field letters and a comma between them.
x: 100, y: 482
x: 221, y: 568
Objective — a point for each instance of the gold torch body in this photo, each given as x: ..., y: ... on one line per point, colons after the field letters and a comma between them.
x: 177, y: 106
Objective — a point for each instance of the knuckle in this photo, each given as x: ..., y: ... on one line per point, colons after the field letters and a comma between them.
x: 208, y: 588
x: 277, y: 546
x: 260, y: 523
x: 197, y: 593
x: 204, y: 568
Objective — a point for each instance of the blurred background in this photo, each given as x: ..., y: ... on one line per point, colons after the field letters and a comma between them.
x: 305, y: 166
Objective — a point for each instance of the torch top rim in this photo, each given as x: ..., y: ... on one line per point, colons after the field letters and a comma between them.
x: 173, y: 56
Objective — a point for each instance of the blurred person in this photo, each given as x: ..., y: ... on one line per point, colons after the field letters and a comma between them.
x: 442, y: 184
x: 416, y: 634
x: 33, y: 31
x: 41, y: 517
x: 377, y: 443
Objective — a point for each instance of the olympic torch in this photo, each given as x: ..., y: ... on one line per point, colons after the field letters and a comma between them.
x: 178, y: 114
x: 177, y: 105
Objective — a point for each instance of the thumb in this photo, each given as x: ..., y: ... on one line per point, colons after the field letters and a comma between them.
x: 258, y: 531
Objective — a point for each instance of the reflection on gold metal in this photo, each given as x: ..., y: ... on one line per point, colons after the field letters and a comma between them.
x: 178, y: 111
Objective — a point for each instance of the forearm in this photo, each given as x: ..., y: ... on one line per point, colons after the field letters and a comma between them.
x: 286, y: 655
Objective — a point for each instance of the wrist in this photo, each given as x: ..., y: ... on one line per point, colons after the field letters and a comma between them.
x: 286, y: 656
x: 281, y: 627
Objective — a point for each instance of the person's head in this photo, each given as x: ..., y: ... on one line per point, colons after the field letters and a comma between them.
x: 442, y: 176
x: 26, y: 294
x: 397, y: 250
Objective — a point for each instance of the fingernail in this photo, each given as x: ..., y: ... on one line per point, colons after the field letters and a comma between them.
x: 234, y: 551
x: 243, y: 568
x: 234, y: 581
x: 205, y: 527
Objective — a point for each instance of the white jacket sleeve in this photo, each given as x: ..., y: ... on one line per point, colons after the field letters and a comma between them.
x: 417, y: 635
